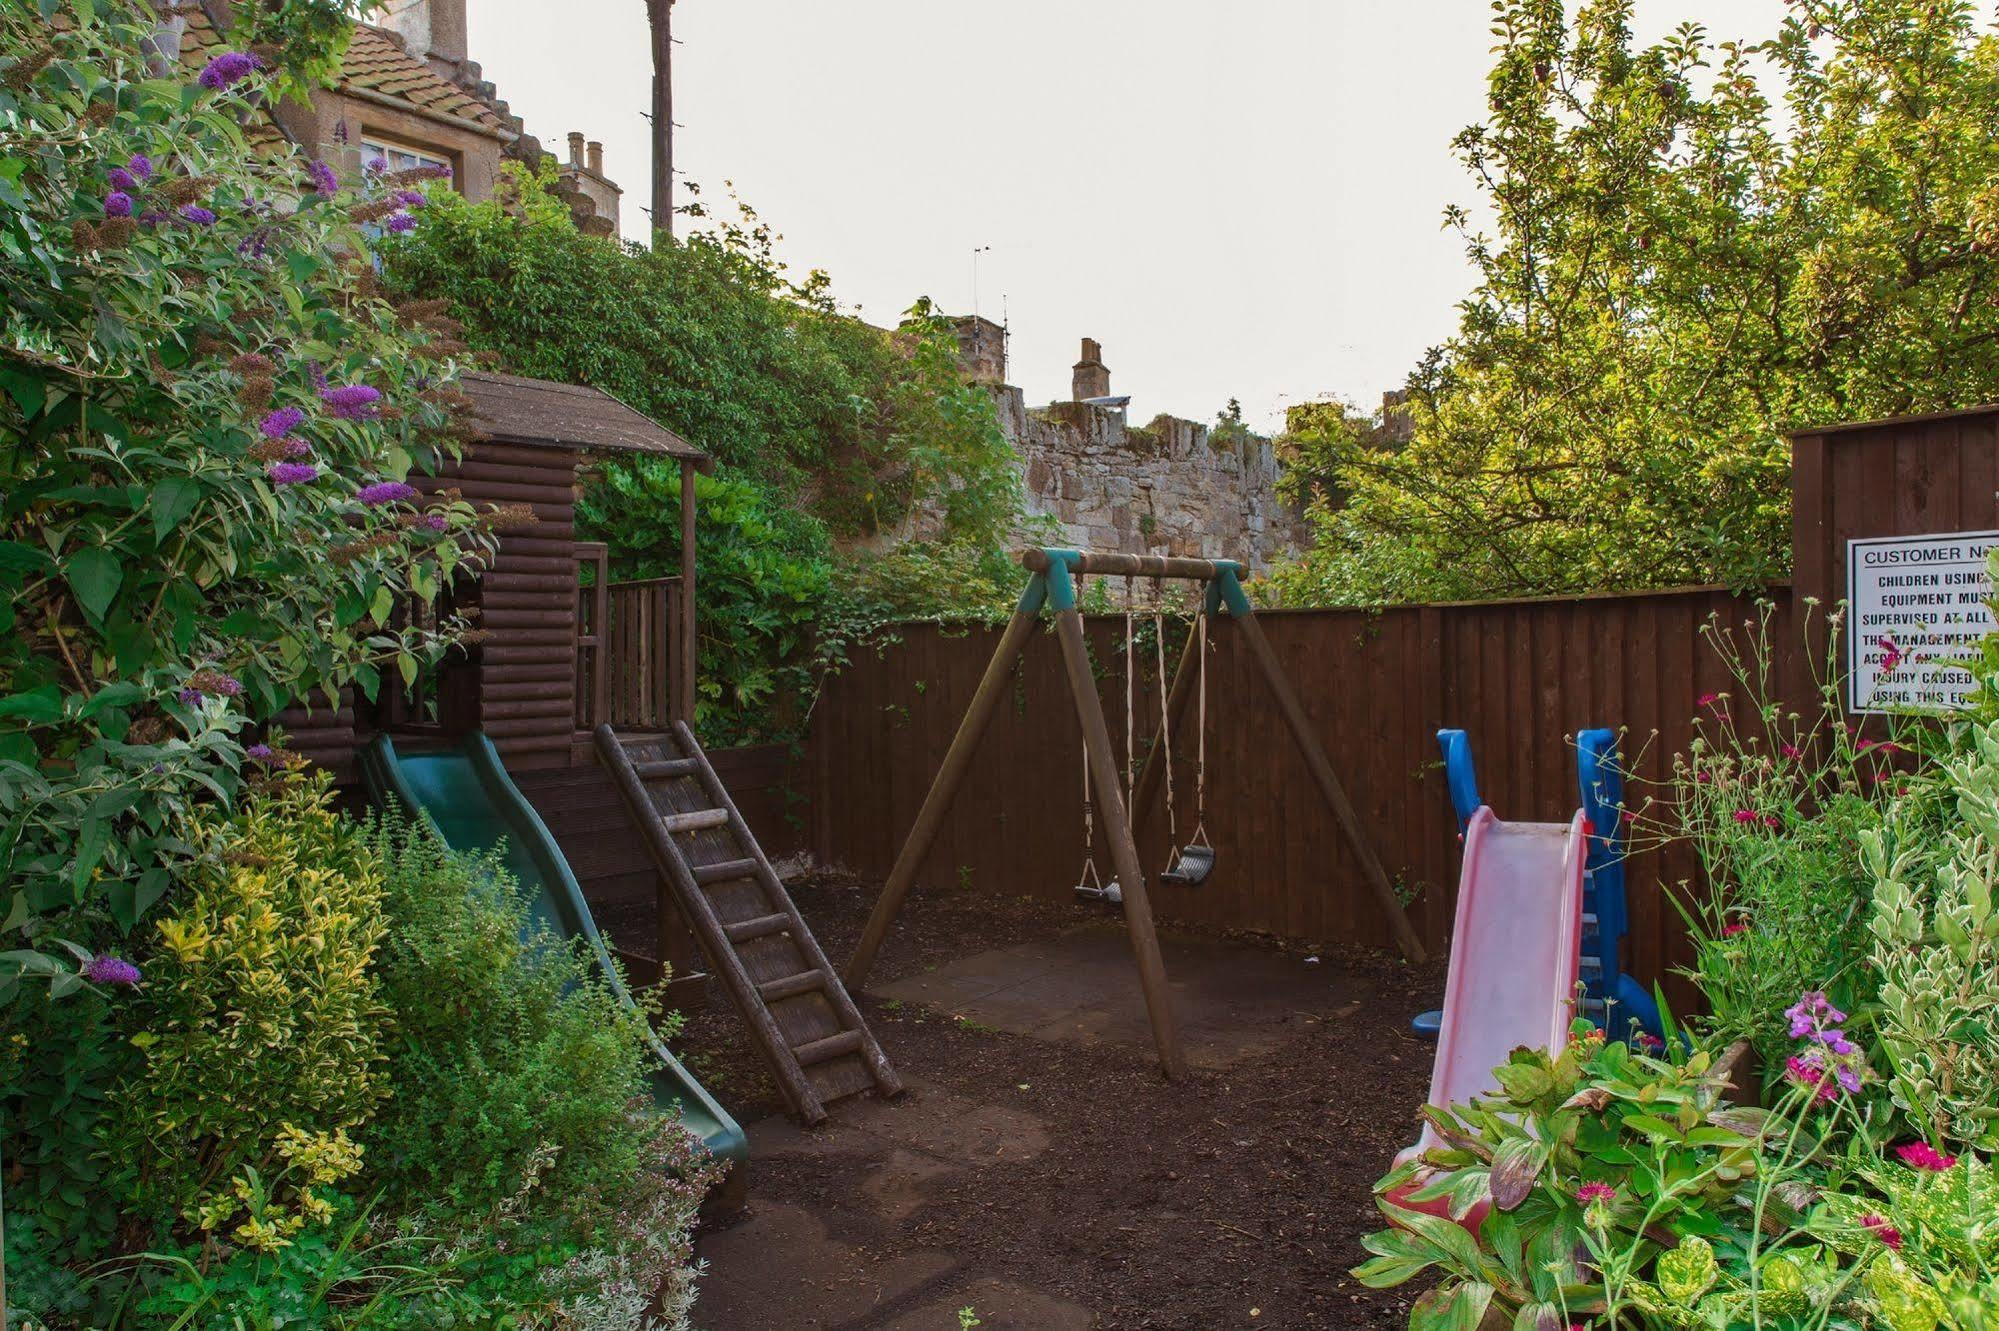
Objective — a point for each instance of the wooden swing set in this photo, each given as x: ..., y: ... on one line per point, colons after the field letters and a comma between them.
x: 1054, y: 577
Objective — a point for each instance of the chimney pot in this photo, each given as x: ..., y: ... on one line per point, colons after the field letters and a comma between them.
x: 596, y: 158
x: 575, y: 148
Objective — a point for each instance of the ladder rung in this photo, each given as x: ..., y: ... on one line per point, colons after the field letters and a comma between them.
x: 725, y: 871
x: 762, y: 926
x: 666, y: 767
x: 791, y: 986
x: 833, y: 1046
x: 697, y: 821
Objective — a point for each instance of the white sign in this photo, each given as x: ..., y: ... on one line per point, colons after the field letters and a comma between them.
x: 1918, y: 613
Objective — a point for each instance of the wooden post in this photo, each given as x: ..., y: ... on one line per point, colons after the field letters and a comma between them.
x: 944, y: 789
x: 683, y: 688
x: 659, y: 14
x: 1329, y: 785
x: 1104, y: 768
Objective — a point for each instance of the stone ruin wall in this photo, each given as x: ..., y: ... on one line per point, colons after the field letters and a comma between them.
x: 1165, y: 488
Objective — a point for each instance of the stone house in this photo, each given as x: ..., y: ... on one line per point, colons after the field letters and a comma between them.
x: 409, y: 94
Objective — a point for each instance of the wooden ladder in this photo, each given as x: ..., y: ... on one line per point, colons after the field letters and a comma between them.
x: 813, y: 1036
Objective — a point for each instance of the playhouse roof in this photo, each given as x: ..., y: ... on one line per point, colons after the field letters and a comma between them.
x: 540, y: 411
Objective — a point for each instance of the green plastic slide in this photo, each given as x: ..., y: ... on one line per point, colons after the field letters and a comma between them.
x: 468, y: 796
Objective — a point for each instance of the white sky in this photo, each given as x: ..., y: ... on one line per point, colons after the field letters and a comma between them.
x: 1237, y: 200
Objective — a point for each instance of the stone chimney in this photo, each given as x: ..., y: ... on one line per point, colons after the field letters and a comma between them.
x: 1090, y: 378
x: 432, y: 30
x: 576, y: 149
x: 596, y: 158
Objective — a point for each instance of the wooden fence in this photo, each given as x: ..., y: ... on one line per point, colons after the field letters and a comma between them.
x: 1522, y: 677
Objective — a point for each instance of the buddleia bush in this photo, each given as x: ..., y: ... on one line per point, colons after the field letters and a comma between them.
x: 1936, y: 949
x: 206, y: 419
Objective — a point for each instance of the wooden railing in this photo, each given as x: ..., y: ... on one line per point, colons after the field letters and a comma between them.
x: 627, y: 649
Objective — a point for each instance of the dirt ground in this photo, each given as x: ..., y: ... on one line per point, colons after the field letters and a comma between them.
x: 1235, y: 1198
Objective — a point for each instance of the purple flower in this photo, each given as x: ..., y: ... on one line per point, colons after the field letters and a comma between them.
x: 117, y: 204
x: 197, y: 215
x: 107, y: 969
x: 374, y: 166
x: 435, y: 522
x: 322, y: 178
x: 295, y: 448
x: 190, y: 697
x: 410, y: 198
x: 281, y: 422
x: 262, y: 753
x: 291, y: 473
x: 228, y: 68
x: 152, y: 217
x: 1812, y: 1014
x: 121, y: 179
x: 141, y: 166
x: 350, y: 401
x: 386, y: 492
x: 398, y: 223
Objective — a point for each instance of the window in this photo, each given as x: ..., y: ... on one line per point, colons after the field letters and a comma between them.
x: 401, y: 156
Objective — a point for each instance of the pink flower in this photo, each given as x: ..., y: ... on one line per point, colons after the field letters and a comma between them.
x: 1879, y: 1227
x: 1891, y: 655
x: 1745, y: 816
x: 1596, y: 1192
x: 1731, y: 930
x: 1707, y: 700
x: 1792, y: 751
x: 1772, y: 820
x: 1925, y: 1157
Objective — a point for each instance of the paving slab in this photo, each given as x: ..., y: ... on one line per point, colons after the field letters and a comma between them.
x: 924, y: 1118
x: 1081, y: 988
x: 780, y: 1268
x: 1000, y: 1305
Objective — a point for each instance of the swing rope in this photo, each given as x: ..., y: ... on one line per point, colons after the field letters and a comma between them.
x: 1165, y: 730
x: 1201, y: 734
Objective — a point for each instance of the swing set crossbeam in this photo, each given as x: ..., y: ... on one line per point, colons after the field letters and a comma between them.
x: 1052, y: 588
x: 1114, y: 564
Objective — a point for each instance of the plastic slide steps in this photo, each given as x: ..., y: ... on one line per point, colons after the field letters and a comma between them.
x: 467, y: 795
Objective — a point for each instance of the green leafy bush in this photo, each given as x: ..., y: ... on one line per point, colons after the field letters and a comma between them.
x: 1777, y: 804
x: 197, y: 392
x: 1936, y: 951
x: 260, y: 1022
x: 505, y: 1044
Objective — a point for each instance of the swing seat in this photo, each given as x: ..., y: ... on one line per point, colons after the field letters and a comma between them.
x: 1193, y: 867
x: 1110, y: 894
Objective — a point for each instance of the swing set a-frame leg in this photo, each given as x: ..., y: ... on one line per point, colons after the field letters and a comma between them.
x: 937, y: 803
x: 1124, y: 848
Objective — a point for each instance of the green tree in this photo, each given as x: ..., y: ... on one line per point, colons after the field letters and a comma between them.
x: 860, y: 476
x: 1676, y: 268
